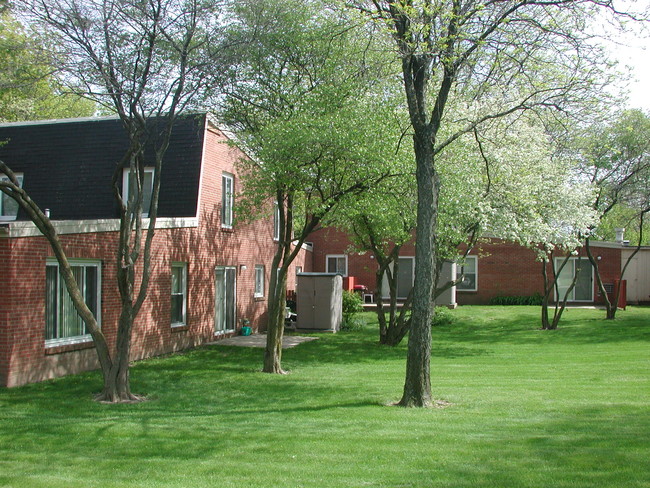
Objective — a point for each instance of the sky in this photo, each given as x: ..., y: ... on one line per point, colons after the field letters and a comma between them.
x: 638, y: 59
x: 633, y: 49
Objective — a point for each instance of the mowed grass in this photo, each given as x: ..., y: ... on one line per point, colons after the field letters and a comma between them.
x: 527, y: 408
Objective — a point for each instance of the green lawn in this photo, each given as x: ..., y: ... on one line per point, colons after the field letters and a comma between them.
x: 528, y: 408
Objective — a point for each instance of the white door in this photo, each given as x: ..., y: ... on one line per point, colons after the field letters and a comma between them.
x: 225, y: 299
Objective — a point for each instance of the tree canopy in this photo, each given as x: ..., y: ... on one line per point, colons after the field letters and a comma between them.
x: 504, y: 58
x: 309, y: 98
x: 29, y: 88
x: 616, y: 159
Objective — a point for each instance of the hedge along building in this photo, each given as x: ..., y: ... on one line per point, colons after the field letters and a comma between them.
x: 209, y: 273
x: 494, y: 268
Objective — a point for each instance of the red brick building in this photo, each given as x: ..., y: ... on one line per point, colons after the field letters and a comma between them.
x: 209, y: 272
x: 494, y: 268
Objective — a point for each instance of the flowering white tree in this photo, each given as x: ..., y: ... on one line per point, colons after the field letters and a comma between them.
x: 513, y: 56
x: 507, y: 179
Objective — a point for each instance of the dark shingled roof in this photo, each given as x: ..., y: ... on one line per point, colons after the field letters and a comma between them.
x: 68, y: 165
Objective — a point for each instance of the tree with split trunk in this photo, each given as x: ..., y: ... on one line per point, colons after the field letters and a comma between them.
x: 553, y: 294
x: 538, y: 200
x: 381, y: 222
x: 505, y: 179
x: 143, y: 61
x: 308, y: 100
x: 513, y: 56
x: 616, y: 159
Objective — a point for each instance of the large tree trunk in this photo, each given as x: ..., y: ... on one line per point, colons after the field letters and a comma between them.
x: 417, y: 386
x: 275, y: 330
x: 117, y: 387
x: 277, y: 302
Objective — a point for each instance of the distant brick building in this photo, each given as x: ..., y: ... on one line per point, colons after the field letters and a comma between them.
x: 494, y: 268
x: 209, y: 272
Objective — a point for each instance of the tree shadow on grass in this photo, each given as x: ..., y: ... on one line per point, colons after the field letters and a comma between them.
x: 521, y: 325
x: 358, y: 348
x: 588, y: 447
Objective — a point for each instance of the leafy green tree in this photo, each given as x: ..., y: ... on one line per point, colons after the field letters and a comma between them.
x: 381, y: 221
x: 504, y: 57
x: 617, y: 162
x: 622, y: 216
x: 307, y: 100
x: 28, y: 88
x: 507, y: 180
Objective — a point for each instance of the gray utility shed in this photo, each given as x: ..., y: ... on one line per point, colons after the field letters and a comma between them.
x: 319, y: 301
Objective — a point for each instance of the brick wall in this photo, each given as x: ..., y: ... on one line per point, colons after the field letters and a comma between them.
x: 23, y: 355
x: 5, y: 300
x: 362, y: 266
x: 504, y: 268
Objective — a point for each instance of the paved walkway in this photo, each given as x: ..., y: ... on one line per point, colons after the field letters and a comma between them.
x: 259, y: 340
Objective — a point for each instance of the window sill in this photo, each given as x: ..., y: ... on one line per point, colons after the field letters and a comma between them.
x: 229, y: 230
x: 180, y: 328
x: 50, y: 351
x: 259, y: 298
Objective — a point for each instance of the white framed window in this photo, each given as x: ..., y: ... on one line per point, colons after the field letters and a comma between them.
x: 129, y: 188
x: 276, y: 221
x: 179, y: 294
x: 227, y: 199
x: 259, y: 281
x: 337, y: 263
x: 468, y: 269
x: 9, y: 206
x: 583, y: 291
x: 62, y: 322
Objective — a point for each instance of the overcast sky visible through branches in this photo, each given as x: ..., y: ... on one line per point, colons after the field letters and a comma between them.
x: 632, y: 51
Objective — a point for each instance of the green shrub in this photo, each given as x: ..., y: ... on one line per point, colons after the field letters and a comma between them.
x: 442, y: 316
x: 536, y: 299
x: 351, y: 307
x: 354, y: 323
